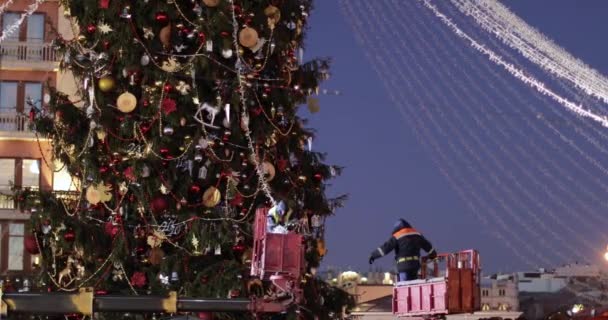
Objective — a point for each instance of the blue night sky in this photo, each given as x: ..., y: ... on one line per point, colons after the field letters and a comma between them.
x: 524, y: 195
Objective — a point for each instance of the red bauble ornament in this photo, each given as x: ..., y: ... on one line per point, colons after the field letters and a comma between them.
x: 111, y: 229
x: 101, y: 292
x: 32, y: 114
x: 103, y: 169
x: 91, y: 28
x: 205, y: 315
x: 104, y: 4
x: 195, y: 188
x: 138, y: 279
x: 161, y: 17
x: 159, y: 204
x: 31, y: 245
x: 168, y: 87
x: 318, y: 176
x: 69, y: 236
x: 238, y: 248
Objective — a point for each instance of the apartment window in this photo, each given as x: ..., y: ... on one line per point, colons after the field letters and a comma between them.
x: 9, y: 19
x: 15, y: 96
x: 501, y: 292
x: 16, y: 234
x: 62, y: 180
x: 484, y: 292
x: 504, y: 307
x: 7, y: 176
x: 30, y: 173
x: 31, y: 30
x: 35, y: 28
x: 32, y: 94
x: 485, y: 307
x: 8, y: 96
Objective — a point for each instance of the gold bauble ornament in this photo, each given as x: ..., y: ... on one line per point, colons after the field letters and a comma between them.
x: 321, y: 249
x: 101, y: 134
x: 269, y: 171
x: 106, y: 84
x: 211, y: 3
x: 211, y: 197
x: 165, y: 36
x: 156, y: 256
x: 126, y: 102
x: 273, y: 14
x: 248, y: 37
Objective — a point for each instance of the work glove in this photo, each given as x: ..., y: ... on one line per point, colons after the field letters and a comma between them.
x: 371, y: 259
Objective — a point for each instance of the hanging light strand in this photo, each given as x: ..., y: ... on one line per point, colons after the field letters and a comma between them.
x: 15, y: 26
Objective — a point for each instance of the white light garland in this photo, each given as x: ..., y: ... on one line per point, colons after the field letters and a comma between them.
x: 5, y: 5
x: 536, y: 47
x: 239, y: 68
x: 15, y: 26
x: 516, y: 72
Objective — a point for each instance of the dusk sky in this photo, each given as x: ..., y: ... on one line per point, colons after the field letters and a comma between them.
x: 495, y: 166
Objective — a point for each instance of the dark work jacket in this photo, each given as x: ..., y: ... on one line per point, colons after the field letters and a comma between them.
x: 407, y: 243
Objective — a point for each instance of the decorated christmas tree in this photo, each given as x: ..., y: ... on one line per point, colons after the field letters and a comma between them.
x: 185, y: 125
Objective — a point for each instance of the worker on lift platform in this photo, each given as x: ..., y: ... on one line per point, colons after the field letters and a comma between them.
x: 406, y: 242
x: 278, y: 218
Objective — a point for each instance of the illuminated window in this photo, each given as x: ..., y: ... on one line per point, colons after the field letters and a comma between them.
x: 485, y: 307
x: 504, y: 307
x: 7, y: 177
x: 62, y: 181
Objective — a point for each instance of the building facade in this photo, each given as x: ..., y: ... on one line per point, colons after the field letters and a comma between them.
x: 540, y: 282
x: 28, y: 65
x: 499, y: 293
x: 578, y: 270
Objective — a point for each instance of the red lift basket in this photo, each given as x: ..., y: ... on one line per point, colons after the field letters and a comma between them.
x: 453, y: 290
x: 275, y: 254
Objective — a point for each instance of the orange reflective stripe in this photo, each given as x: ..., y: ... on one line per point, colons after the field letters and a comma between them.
x: 405, y: 232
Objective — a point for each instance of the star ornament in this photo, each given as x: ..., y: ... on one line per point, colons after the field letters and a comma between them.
x: 148, y: 33
x: 183, y: 87
x: 104, y: 28
x: 171, y: 65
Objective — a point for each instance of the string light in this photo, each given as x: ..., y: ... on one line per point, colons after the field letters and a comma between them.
x: 397, y: 95
x: 516, y: 72
x: 7, y: 32
x: 241, y: 88
x: 536, y: 47
x: 525, y: 154
x: 5, y: 5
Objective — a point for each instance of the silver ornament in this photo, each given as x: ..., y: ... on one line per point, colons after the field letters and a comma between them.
x: 145, y: 60
x: 168, y: 130
x: 227, y: 53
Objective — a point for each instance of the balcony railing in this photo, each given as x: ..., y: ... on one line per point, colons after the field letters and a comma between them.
x: 13, y: 122
x: 27, y: 51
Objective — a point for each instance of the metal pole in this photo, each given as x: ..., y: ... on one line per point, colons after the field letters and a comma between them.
x: 85, y: 302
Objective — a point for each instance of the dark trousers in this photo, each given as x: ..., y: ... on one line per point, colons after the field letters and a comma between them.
x: 408, y: 270
x: 408, y: 275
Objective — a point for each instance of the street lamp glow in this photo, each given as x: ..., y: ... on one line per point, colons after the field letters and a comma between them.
x: 606, y: 255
